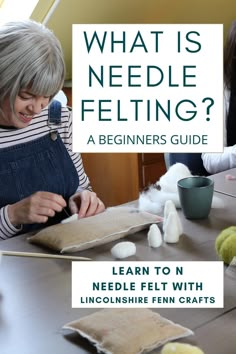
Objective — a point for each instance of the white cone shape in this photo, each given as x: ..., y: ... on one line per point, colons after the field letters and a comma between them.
x: 154, y: 236
x: 170, y: 208
x: 171, y: 234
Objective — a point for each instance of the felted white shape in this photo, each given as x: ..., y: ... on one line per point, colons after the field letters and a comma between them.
x: 171, y: 233
x: 70, y: 219
x: 170, y: 208
x: 154, y: 236
x: 123, y: 249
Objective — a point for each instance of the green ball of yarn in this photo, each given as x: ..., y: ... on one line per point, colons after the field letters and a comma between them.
x: 226, y: 244
x: 180, y: 348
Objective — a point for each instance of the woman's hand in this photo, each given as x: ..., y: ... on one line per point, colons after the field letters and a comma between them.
x: 85, y: 203
x: 35, y: 209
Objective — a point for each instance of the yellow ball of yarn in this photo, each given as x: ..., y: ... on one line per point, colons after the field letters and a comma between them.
x: 180, y: 348
x: 226, y: 244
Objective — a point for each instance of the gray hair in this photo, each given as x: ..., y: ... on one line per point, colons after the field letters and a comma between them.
x: 30, y: 57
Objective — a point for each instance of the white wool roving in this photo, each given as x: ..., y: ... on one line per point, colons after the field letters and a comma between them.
x: 168, y: 182
x: 171, y: 233
x: 123, y: 249
x: 154, y: 236
x: 153, y: 199
x: 70, y: 219
x: 149, y: 201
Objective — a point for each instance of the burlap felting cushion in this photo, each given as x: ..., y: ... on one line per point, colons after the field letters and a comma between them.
x: 127, y: 331
x: 112, y: 224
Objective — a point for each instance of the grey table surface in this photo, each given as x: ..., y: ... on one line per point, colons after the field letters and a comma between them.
x: 224, y: 185
x: 35, y: 293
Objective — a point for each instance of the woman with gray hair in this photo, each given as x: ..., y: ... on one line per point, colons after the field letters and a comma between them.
x: 40, y: 176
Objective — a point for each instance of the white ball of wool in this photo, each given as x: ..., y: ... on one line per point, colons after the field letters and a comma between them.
x: 123, y: 249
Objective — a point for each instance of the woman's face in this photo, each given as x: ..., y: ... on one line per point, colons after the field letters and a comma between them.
x: 26, y: 106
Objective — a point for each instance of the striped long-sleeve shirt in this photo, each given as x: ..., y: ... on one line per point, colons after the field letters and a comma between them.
x: 36, y: 129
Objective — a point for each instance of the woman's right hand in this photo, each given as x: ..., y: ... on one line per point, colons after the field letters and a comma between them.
x: 35, y: 209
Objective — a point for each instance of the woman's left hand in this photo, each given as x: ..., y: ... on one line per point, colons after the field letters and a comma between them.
x: 85, y: 203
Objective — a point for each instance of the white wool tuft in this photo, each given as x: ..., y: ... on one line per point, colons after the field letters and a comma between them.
x: 147, y: 202
x: 123, y: 249
x: 168, y: 182
x: 70, y: 219
x: 154, y: 199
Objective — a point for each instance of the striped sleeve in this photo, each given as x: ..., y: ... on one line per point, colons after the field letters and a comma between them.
x: 7, y: 230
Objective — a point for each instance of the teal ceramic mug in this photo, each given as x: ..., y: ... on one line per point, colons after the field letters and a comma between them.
x: 195, y: 195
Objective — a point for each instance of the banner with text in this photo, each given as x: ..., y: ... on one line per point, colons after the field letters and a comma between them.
x: 147, y: 284
x: 148, y: 88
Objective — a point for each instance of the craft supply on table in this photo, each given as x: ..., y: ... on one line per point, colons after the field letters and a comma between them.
x: 180, y: 348
x: 154, y: 198
x: 170, y: 208
x: 123, y: 249
x: 154, y: 236
x: 113, y: 224
x: 171, y: 233
x: 127, y: 330
x: 226, y: 244
x: 43, y: 255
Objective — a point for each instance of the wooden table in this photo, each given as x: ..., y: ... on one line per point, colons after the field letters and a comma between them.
x: 36, y: 293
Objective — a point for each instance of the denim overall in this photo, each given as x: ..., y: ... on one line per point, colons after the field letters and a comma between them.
x: 43, y: 164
